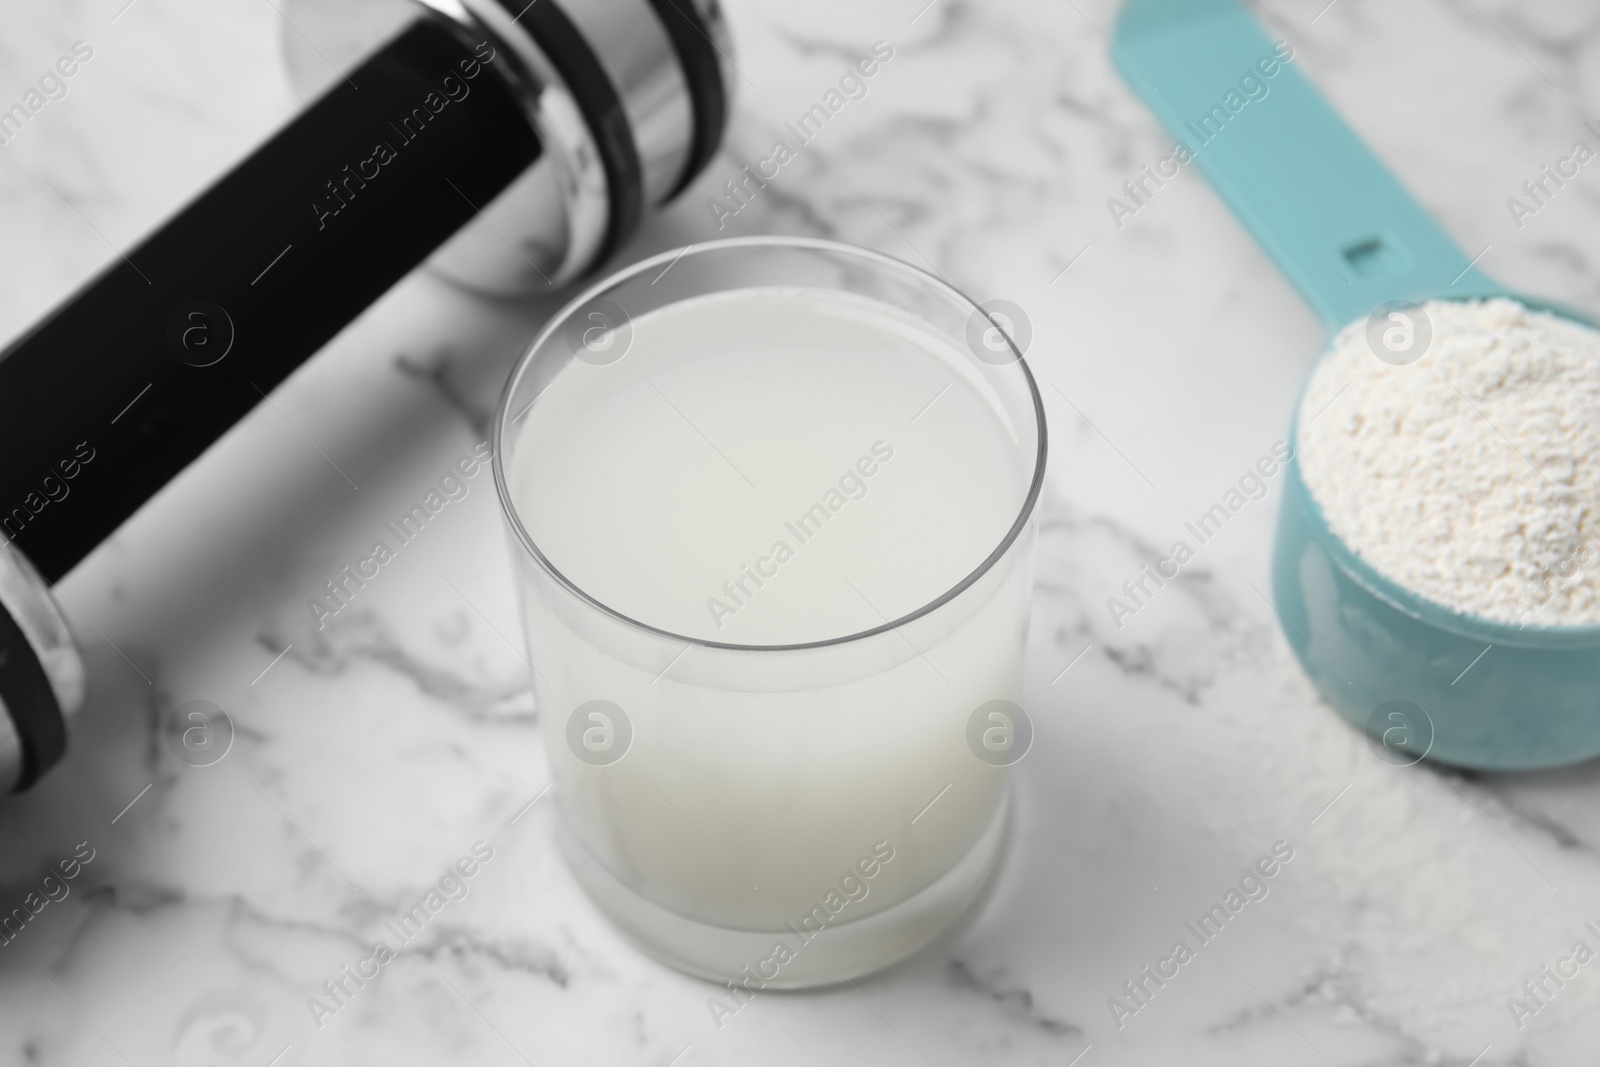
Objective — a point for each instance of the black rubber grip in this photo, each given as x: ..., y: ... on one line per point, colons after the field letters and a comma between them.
x: 132, y: 378
x: 31, y: 703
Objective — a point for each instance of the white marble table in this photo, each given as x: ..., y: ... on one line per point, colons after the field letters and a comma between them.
x: 376, y: 751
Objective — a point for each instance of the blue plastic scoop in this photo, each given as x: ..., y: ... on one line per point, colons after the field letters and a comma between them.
x: 1422, y: 679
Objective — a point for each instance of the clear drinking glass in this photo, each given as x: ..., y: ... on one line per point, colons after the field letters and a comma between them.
x: 780, y: 814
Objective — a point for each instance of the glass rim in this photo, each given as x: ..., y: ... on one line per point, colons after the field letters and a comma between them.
x: 610, y: 282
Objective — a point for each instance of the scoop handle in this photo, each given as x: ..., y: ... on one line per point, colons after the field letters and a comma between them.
x: 1338, y: 224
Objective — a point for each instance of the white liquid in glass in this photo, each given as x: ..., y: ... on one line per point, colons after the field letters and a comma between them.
x: 775, y: 467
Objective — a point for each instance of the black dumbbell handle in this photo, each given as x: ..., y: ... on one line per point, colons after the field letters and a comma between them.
x: 129, y: 380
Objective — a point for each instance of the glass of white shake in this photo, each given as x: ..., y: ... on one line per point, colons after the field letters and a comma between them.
x: 771, y: 503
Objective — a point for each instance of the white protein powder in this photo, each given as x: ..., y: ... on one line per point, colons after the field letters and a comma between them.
x: 1471, y: 476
